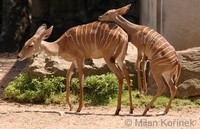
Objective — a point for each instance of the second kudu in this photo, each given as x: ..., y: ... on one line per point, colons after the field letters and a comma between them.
x: 164, y: 63
x: 93, y: 40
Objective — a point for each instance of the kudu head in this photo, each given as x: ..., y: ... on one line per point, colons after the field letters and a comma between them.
x: 33, y: 45
x: 110, y: 15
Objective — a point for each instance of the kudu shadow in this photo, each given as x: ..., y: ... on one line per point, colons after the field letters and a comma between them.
x: 105, y: 114
x: 12, y: 68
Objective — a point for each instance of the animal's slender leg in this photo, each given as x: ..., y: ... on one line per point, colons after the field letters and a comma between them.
x: 81, y: 80
x: 143, y: 65
x: 138, y: 67
x: 173, y: 89
x: 161, y: 88
x: 119, y: 75
x: 68, y: 77
x: 123, y: 68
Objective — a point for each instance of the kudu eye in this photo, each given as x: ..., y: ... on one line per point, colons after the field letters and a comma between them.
x: 31, y: 45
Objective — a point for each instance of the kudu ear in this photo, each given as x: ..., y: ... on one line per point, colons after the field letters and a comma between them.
x: 46, y: 33
x: 41, y: 29
x: 123, y: 10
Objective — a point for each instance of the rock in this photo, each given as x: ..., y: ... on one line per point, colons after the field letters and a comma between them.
x: 42, y: 65
x: 189, y: 88
x: 189, y: 81
x: 190, y: 75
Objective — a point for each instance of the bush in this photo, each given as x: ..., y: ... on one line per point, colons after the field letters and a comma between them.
x: 98, y: 89
x: 33, y: 90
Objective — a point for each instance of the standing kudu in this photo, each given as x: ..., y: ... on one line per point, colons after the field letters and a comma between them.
x: 164, y: 63
x: 93, y: 40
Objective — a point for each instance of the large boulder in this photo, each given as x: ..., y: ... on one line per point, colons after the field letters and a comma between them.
x: 189, y: 81
x: 42, y: 65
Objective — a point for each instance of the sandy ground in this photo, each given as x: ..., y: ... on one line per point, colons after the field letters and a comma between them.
x: 17, y: 116
x: 26, y: 116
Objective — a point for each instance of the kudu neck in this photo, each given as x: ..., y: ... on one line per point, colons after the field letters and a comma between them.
x: 125, y: 24
x: 50, y: 48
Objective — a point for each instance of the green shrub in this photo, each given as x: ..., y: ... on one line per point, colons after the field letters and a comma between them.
x: 98, y: 90
x: 33, y: 90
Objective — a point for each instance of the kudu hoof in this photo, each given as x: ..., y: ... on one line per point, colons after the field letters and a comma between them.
x: 161, y: 114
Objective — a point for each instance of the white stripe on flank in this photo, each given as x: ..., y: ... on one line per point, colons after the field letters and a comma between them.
x: 165, y: 49
x: 111, y: 31
x: 142, y: 36
x: 144, y: 30
x: 81, y: 33
x: 152, y: 37
x: 86, y: 33
x: 150, y: 42
x: 104, y: 33
x: 77, y: 36
x: 112, y: 37
x: 145, y: 37
x: 91, y: 30
x: 100, y: 34
x: 169, y: 51
x: 158, y: 48
x: 83, y: 42
x: 95, y: 35
x: 90, y: 35
x: 150, y: 51
x: 165, y: 60
x: 71, y: 37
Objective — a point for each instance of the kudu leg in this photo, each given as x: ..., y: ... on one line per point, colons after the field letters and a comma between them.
x: 173, y: 93
x: 126, y: 73
x: 138, y: 67
x: 143, y: 65
x: 173, y: 89
x: 120, y: 77
x: 68, y: 78
x: 161, y: 88
x: 81, y: 80
x: 127, y: 77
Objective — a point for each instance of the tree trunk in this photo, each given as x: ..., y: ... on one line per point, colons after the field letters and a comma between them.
x: 7, y: 32
x: 15, y: 24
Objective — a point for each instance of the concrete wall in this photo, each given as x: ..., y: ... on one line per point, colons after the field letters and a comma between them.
x: 148, y: 13
x: 177, y: 20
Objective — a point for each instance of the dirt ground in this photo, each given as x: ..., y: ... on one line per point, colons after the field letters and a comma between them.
x: 28, y: 116
x: 17, y: 116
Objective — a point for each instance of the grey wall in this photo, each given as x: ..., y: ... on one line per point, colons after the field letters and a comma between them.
x: 177, y: 20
